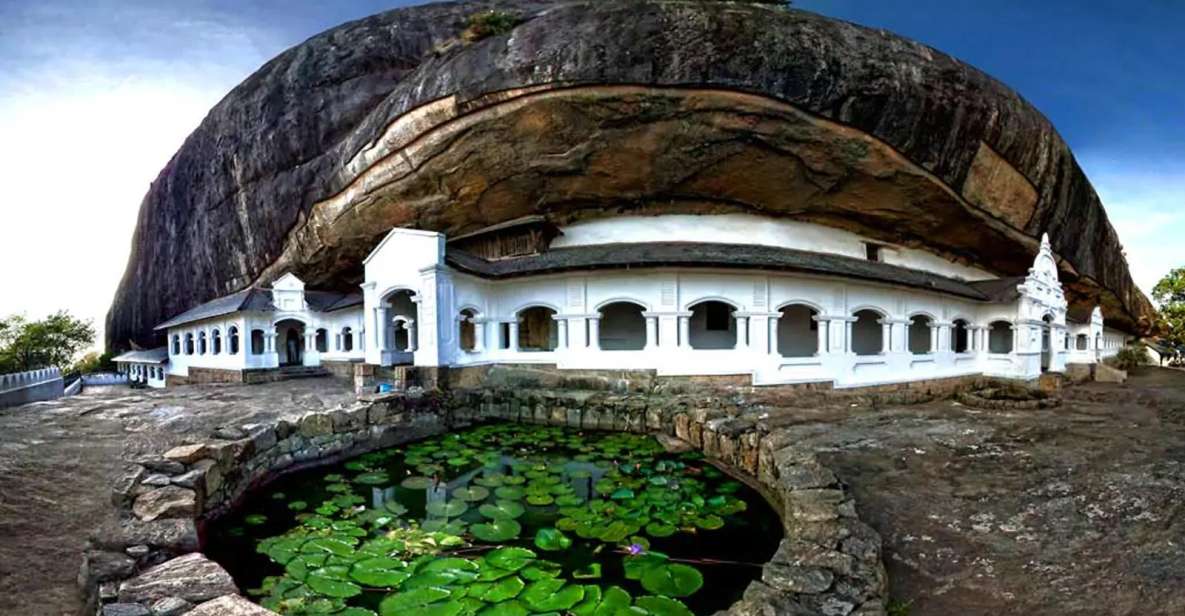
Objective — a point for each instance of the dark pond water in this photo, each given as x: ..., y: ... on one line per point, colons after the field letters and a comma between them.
x: 502, y: 520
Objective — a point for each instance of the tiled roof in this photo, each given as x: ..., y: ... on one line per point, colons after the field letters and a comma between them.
x: 158, y: 355
x: 692, y: 254
x: 260, y: 300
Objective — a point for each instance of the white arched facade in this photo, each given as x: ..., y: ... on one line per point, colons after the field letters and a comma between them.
x: 754, y: 301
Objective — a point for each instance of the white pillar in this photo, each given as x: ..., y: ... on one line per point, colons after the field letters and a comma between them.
x: 685, y: 331
x: 561, y: 333
x: 887, y: 336
x: 821, y: 330
x: 512, y: 337
x: 479, y: 336
x: 847, y: 337
x: 380, y: 329
x: 773, y: 335
x: 651, y: 332
x: 933, y: 338
x: 742, y: 325
x: 410, y: 324
x: 594, y: 332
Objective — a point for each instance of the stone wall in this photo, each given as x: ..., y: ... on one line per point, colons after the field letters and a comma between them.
x: 829, y: 563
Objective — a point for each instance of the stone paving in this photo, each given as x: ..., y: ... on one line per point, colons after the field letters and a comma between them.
x: 1074, y: 510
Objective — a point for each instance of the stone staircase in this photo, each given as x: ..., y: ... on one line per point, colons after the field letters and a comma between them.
x: 286, y: 373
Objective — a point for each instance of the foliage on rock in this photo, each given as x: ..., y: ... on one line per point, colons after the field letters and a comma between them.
x: 489, y: 23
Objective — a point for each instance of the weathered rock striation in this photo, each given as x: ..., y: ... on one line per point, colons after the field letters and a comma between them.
x: 589, y: 109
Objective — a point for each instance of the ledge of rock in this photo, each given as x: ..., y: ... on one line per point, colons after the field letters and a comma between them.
x: 192, y: 578
x: 230, y: 605
x: 592, y: 109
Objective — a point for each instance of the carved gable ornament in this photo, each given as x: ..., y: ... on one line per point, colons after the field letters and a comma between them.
x: 1042, y: 286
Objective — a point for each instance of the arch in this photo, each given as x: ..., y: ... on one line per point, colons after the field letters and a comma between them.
x: 466, y: 329
x: 867, y: 331
x: 176, y: 344
x: 622, y: 326
x: 385, y: 296
x: 711, y: 324
x: 201, y: 343
x: 920, y: 326
x: 321, y: 340
x: 622, y: 300
x: 216, y: 341
x: 1000, y: 337
x: 959, y: 335
x: 232, y: 340
x: 798, y: 331
x: 536, y: 328
x: 922, y: 313
x: 257, y: 342
x: 402, y: 310
x: 1082, y: 342
x: 713, y: 298
x: 347, y: 335
x: 535, y: 304
x: 291, y: 338
x: 290, y: 317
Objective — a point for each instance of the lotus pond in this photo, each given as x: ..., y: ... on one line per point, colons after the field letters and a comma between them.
x: 502, y: 520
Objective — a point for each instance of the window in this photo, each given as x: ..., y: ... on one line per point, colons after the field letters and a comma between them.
x: 622, y: 327
x: 919, y: 334
x: 347, y: 339
x: 232, y: 340
x: 257, y: 342
x: 872, y: 252
x: 176, y: 344
x: 216, y: 342
x: 958, y: 338
x: 467, y: 331
x: 536, y: 329
x: 797, y: 331
x: 717, y: 316
x: 202, y: 343
x: 867, y: 333
x: 189, y: 344
x: 1000, y: 337
x: 321, y: 341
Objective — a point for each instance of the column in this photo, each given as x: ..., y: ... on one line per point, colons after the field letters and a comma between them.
x: 886, y: 335
x: 561, y: 333
x: 821, y: 327
x: 651, y: 331
x: 594, y: 332
x: 512, y: 342
x: 577, y: 333
x: 742, y: 327
x: 412, y: 345
x: 479, y: 336
x: 380, y: 329
x: 847, y: 336
x: 773, y: 335
x: 685, y: 331
x: 933, y: 338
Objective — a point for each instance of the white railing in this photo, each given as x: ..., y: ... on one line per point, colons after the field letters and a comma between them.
x: 21, y: 380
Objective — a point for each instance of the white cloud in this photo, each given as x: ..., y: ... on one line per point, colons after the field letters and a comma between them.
x: 1146, y: 203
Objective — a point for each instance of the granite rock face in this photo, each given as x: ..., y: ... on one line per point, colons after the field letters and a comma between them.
x: 601, y: 108
x: 192, y: 578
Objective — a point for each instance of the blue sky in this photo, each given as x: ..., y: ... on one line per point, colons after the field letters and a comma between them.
x: 96, y: 95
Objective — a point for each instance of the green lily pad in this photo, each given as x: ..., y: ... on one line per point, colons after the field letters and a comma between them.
x: 504, y: 589
x: 551, y: 540
x: 379, y: 572
x: 416, y: 482
x: 511, y: 558
x: 662, y: 606
x: 591, y: 572
x: 472, y: 493
x: 427, y: 601
x: 509, y: 493
x: 612, y: 599
x: 332, y: 545
x: 395, y: 507
x: 587, y: 605
x: 255, y: 519
x: 506, y: 608
x: 551, y: 595
x: 451, y: 526
x: 659, y: 529
x: 373, y: 478
x: 496, y: 530
x: 298, y: 505
x: 672, y: 580
x: 447, y: 509
x: 331, y: 582
x: 502, y: 510
x: 540, y: 500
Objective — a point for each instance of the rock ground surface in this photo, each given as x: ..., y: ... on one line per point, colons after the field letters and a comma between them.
x: 1074, y: 510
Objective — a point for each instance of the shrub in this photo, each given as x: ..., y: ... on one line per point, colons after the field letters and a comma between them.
x: 1131, y: 356
x: 489, y: 23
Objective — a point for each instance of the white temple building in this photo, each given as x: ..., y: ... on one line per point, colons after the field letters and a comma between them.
x: 779, y: 301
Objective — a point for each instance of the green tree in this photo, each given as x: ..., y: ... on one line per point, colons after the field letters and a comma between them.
x: 1169, y: 295
x: 52, y: 341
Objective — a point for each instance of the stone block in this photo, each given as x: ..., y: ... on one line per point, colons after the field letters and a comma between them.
x: 162, y: 465
x: 262, y: 436
x: 100, y: 566
x: 799, y: 553
x: 790, y: 578
x: 827, y: 533
x: 156, y: 480
x: 171, y: 606
x: 123, y: 489
x: 175, y: 535
x: 125, y: 609
x: 316, y: 424
x: 804, y: 475
x: 812, y: 505
x: 229, y: 605
x: 187, y: 454
x: 166, y: 502
x: 193, y: 578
